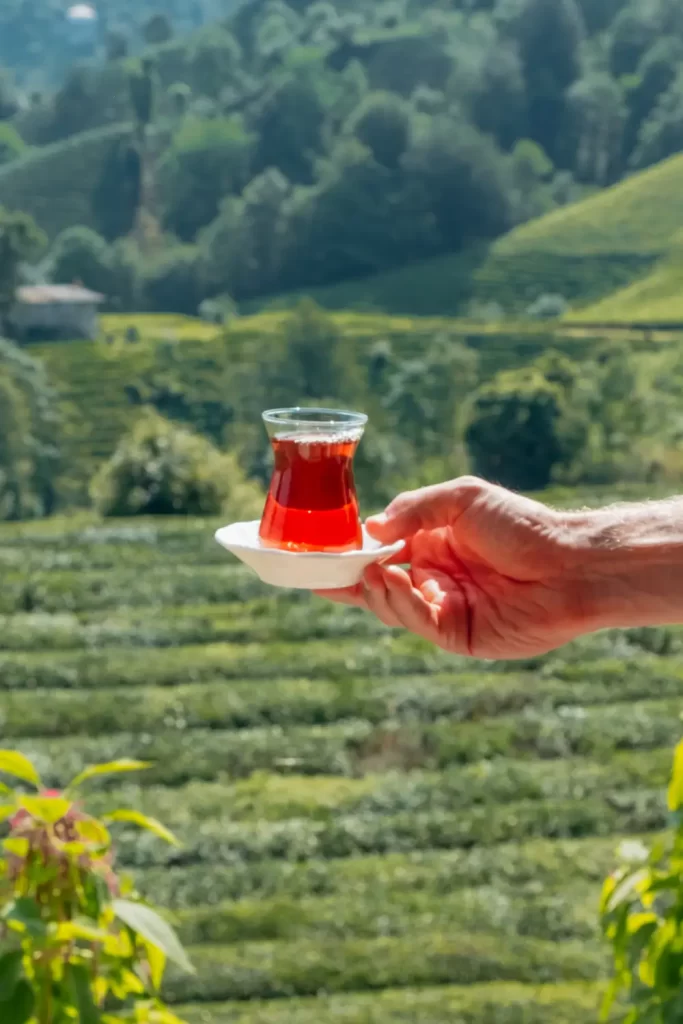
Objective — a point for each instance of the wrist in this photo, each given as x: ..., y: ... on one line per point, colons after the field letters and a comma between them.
x: 627, y: 565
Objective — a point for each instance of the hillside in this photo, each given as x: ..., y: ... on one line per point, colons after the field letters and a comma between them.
x: 584, y: 252
x: 373, y: 831
x: 302, y: 147
x: 81, y: 180
x: 95, y: 380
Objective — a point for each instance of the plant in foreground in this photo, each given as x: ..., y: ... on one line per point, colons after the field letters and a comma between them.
x: 642, y: 916
x: 77, y: 944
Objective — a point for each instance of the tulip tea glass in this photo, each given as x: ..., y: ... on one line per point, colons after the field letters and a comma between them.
x: 312, y: 503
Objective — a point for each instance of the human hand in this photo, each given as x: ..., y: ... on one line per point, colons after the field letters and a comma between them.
x: 490, y: 573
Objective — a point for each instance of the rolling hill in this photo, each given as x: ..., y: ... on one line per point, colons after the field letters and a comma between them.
x: 585, y: 252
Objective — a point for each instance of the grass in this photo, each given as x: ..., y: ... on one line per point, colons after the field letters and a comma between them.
x: 654, y: 299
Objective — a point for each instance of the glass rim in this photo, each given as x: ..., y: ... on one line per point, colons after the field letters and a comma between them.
x: 314, y: 416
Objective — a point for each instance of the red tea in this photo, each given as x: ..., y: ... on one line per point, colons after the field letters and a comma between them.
x: 312, y: 503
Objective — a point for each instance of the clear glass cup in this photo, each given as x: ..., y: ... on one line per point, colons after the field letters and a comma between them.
x: 312, y: 503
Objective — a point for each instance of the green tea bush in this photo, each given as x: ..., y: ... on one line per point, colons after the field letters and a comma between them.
x: 511, y: 866
x: 160, y: 469
x: 281, y: 970
x: 498, y: 1003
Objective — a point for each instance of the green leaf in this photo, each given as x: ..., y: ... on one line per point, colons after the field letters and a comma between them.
x: 14, y: 763
x: 157, y: 964
x: 11, y: 967
x: 110, y: 768
x: 16, y: 845
x: 146, y: 923
x: 675, y: 794
x: 626, y: 889
x: 7, y: 810
x: 79, y: 981
x: 48, y: 809
x: 18, y: 1009
x: 151, y: 824
x: 25, y: 912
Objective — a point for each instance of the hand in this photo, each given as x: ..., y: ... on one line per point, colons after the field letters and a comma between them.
x: 490, y: 574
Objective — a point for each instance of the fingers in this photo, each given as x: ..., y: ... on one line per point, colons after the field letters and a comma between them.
x: 442, y: 619
x: 425, y: 509
x: 354, y: 596
x: 377, y: 597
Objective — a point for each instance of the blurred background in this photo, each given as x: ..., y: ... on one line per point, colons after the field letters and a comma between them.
x: 464, y: 217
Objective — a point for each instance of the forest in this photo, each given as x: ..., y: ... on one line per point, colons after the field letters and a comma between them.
x: 289, y: 146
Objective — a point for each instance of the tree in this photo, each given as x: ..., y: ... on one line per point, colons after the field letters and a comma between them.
x: 170, y: 281
x: 465, y: 179
x: 661, y: 134
x: 207, y: 160
x: 599, y: 14
x: 142, y: 88
x: 496, y: 94
x: 382, y: 122
x: 360, y: 217
x: 80, y: 254
x: 11, y: 144
x: 290, y: 117
x: 162, y: 469
x: 29, y: 436
x: 214, y: 60
x: 596, y: 121
x: 157, y: 29
x: 116, y: 44
x: 9, y: 100
x: 426, y: 395
x: 15, y: 455
x: 77, y: 105
x: 517, y: 431
x: 549, y: 34
x: 530, y: 171
x: 656, y: 72
x: 631, y: 35
x: 20, y: 240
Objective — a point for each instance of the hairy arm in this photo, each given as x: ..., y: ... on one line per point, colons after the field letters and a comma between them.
x: 629, y: 564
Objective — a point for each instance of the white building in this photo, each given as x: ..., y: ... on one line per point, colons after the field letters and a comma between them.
x: 55, y: 311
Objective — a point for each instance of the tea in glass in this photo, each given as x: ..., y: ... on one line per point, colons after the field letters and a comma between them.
x: 312, y: 503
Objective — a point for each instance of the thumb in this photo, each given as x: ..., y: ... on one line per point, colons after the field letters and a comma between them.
x: 425, y: 509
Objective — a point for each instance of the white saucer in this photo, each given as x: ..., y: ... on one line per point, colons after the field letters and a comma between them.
x: 302, y: 570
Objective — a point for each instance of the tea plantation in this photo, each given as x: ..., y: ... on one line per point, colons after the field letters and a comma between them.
x: 372, y: 831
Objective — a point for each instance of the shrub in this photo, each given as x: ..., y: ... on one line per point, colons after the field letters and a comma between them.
x: 548, y: 307
x: 161, y: 469
x: 29, y: 455
x: 519, y: 429
x: 170, y: 281
x: 642, y: 916
x: 76, y: 937
x: 80, y: 254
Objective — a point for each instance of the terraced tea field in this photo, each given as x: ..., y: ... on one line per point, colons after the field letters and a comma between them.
x: 373, y: 832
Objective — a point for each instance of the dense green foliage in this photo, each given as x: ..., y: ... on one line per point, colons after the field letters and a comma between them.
x: 356, y: 138
x: 159, y: 469
x: 77, y: 937
x: 29, y: 436
x: 641, y: 915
